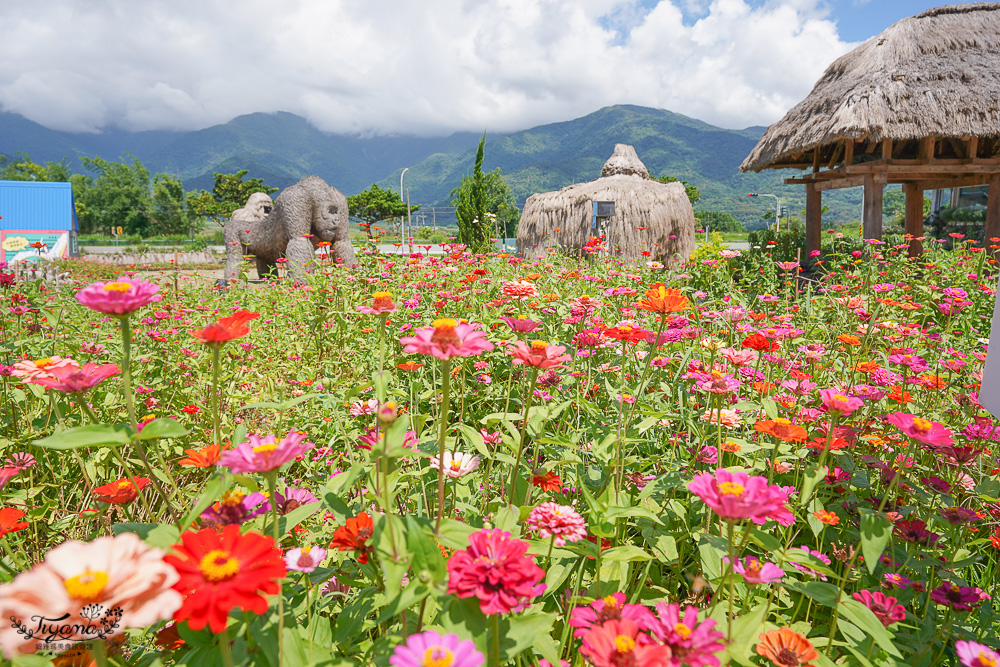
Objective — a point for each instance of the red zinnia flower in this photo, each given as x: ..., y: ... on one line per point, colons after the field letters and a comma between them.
x: 497, y: 570
x: 191, y: 409
x: 548, y: 481
x: 757, y: 342
x: 120, y: 492
x: 226, y: 329
x: 354, y: 536
x: 10, y: 521
x: 221, y: 571
x: 626, y: 333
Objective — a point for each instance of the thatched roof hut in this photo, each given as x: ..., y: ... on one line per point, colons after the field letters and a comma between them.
x: 649, y: 215
x: 918, y: 104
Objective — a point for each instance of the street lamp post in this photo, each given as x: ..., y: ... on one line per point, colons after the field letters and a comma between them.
x: 777, y: 208
x: 402, y: 224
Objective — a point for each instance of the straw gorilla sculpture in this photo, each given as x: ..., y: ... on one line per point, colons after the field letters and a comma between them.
x: 303, y: 215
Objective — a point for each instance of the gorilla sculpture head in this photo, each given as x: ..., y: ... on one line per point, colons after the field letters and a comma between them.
x: 303, y: 215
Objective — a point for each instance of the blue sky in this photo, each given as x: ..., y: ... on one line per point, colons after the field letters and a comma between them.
x: 418, y: 67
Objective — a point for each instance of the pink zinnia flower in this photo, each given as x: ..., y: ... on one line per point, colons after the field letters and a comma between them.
x: 735, y: 496
x: 77, y: 577
x: 884, y: 608
x: 808, y: 570
x: 304, y: 559
x: 617, y: 643
x: 447, y: 338
x: 71, y: 380
x: 121, y: 297
x: 755, y: 572
x: 497, y: 570
x: 265, y: 455
x: 838, y: 403
x: 457, y: 464
x: 520, y: 289
x: 930, y: 433
x: 959, y: 598
x: 430, y: 648
x: 739, y: 357
x: 609, y: 608
x: 972, y: 654
x: 382, y: 304
x: 539, y: 355
x: 718, y: 383
x: 520, y: 324
x: 41, y: 368
x: 561, y: 522
x: 692, y: 643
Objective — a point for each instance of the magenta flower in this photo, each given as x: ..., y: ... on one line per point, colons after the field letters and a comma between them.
x: 885, y: 608
x: 610, y: 608
x: 972, y: 654
x: 755, y: 572
x: 839, y: 403
x: 430, y: 648
x: 808, y: 570
x: 561, y: 522
x: 718, y: 383
x: 520, y: 324
x: 896, y: 580
x: 735, y: 496
x: 959, y: 598
x: 497, y: 570
x: 447, y: 338
x: 265, y: 455
x: 915, y: 531
x: 304, y: 559
x: 70, y: 380
x: 121, y: 297
x: 930, y: 433
x: 695, y: 644
x: 539, y: 355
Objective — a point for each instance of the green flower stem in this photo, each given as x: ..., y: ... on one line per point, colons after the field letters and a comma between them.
x: 442, y: 434
x: 495, y: 640
x: 386, y: 493
x: 732, y: 576
x: 271, y: 478
x: 226, y: 650
x: 524, y: 437
x: 215, y: 394
x: 126, y: 328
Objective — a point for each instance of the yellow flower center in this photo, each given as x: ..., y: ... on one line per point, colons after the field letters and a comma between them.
x: 683, y: 630
x: 986, y: 660
x: 611, y: 601
x: 444, y: 324
x: 955, y: 588
x: 731, y: 489
x: 118, y: 287
x: 922, y: 425
x: 218, y: 565
x: 624, y: 644
x: 538, y: 345
x: 265, y: 449
x: 438, y: 657
x: 839, y: 397
x: 124, y: 484
x: 305, y: 551
x: 44, y: 363
x: 232, y: 498
x: 782, y: 421
x: 86, y: 586
x: 382, y: 300
x: 752, y: 567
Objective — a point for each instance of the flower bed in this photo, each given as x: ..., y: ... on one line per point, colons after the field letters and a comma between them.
x: 461, y: 460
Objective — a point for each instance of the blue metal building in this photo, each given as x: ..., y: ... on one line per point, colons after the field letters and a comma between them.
x: 32, y: 213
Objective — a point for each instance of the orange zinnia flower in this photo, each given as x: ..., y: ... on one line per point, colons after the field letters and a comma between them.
x: 847, y: 339
x: 829, y: 518
x: 782, y: 429
x: 865, y: 367
x: 120, y: 492
x: 786, y: 648
x: 206, y: 457
x: 898, y: 394
x: 226, y: 329
x: 354, y: 536
x: 662, y: 299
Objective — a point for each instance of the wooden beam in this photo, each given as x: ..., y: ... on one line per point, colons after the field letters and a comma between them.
x: 992, y: 213
x: 945, y: 183
x: 814, y: 220
x: 834, y: 156
x: 926, y: 150
x: 971, y: 148
x: 914, y: 225
x: 848, y: 152
x: 887, y: 149
x: 932, y: 169
x: 816, y: 159
x: 832, y: 184
x: 872, y: 212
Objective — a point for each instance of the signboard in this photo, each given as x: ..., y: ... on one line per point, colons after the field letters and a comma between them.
x: 989, y: 390
x: 15, y: 245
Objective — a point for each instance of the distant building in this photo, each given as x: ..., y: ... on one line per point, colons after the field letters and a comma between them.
x: 33, y: 212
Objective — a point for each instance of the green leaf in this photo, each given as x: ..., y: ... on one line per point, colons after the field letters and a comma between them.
x: 876, y: 530
x: 97, y: 435
x: 865, y: 618
x: 162, y: 428
x: 212, y: 491
x: 628, y: 552
x: 426, y: 555
x: 288, y: 521
x: 455, y: 534
x: 161, y: 535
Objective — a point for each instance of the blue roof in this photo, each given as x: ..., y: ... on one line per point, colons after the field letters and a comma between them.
x: 37, y: 205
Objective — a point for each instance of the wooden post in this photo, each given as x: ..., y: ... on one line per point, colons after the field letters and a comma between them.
x: 992, y: 213
x: 848, y: 152
x: 872, y: 219
x: 814, y: 220
x: 914, y: 225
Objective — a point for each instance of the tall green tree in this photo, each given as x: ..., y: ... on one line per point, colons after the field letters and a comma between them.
x: 717, y: 221
x: 229, y: 193
x: 484, y: 205
x: 375, y: 205
x: 119, y: 197
x: 169, y: 207
x: 21, y: 168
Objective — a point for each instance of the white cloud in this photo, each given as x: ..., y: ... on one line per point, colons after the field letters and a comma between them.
x: 391, y: 66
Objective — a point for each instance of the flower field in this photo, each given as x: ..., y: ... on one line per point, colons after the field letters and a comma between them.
x: 461, y: 460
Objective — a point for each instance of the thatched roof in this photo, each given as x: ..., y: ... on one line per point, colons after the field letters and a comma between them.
x: 649, y: 215
x: 936, y: 74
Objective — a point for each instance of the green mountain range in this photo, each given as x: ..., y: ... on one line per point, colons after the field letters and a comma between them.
x: 282, y: 148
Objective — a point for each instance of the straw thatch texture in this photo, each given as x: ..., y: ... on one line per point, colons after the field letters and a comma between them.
x: 649, y: 215
x: 936, y: 74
